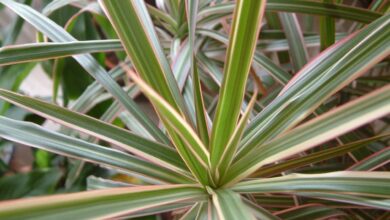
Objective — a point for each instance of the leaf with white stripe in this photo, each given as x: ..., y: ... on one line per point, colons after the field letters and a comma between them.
x: 44, y: 51
x: 231, y: 147
x: 201, y: 124
x: 319, y: 130
x: 36, y: 136
x: 332, y: 70
x: 101, y: 204
x: 58, y: 34
x: 229, y: 206
x: 351, y: 199
x: 243, y: 37
x: 293, y: 32
x: 145, y: 148
x: 194, y: 153
x: 316, y: 157
x: 299, y: 6
x: 135, y: 29
x: 361, y: 183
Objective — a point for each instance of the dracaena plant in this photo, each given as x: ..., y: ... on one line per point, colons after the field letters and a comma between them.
x: 250, y: 123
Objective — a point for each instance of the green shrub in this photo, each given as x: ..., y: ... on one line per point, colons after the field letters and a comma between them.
x: 249, y: 125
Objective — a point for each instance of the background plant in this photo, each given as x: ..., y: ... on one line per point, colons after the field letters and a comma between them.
x: 244, y: 101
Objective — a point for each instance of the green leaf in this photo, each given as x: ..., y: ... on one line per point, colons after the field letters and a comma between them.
x: 259, y: 212
x: 311, y: 211
x: 201, y: 113
x: 83, y: 103
x: 201, y: 124
x: 199, y: 211
x: 153, y: 213
x: 35, y: 136
x: 58, y: 34
x: 374, y: 161
x: 86, y: 101
x: 11, y: 78
x: 55, y: 5
x: 327, y: 29
x: 350, y: 199
x: 193, y: 212
x: 311, y: 41
x: 293, y: 32
x: 95, y: 183
x: 39, y: 182
x: 15, y: 29
x: 161, y: 15
x: 181, y: 63
x: 229, y: 205
x: 150, y: 150
x: 136, y: 31
x: 245, y: 30
x: 3, y: 167
x: 316, y: 157
x: 329, y: 72
x: 173, y: 7
x: 301, y: 6
x: 108, y: 116
x: 231, y: 147
x: 44, y: 51
x: 108, y: 203
x: 374, y: 184
x: 277, y: 72
x: 194, y: 153
x: 314, y: 132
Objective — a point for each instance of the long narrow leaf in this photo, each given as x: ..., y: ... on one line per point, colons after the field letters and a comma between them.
x: 231, y: 147
x: 137, y: 34
x: 335, y: 67
x: 281, y: 75
x: 310, y: 211
x: 15, y: 29
x: 298, y: 52
x: 201, y: 124
x: 35, y: 136
x: 373, y: 161
x: 136, y: 31
x: 362, y: 183
x: 201, y: 113
x: 229, y: 206
x: 194, y: 153
x: 140, y: 146
x: 94, y: 183
x: 58, y: 34
x: 260, y: 212
x: 43, y: 51
x: 315, y: 157
x: 350, y: 199
x: 327, y: 29
x: 245, y: 30
x: 302, y: 6
x: 107, y: 203
x: 317, y: 131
